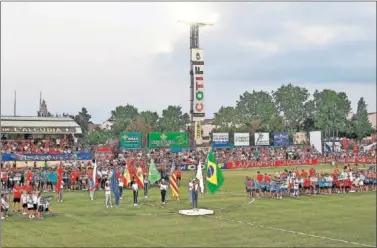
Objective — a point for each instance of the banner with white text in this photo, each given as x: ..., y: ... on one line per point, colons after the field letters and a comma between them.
x: 220, y: 140
x: 197, y: 72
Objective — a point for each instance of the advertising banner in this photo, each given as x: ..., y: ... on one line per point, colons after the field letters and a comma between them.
x: 197, y: 72
x: 262, y: 139
x: 220, y: 140
x: 39, y: 130
x: 198, y: 133
x: 300, y: 138
x: 48, y: 157
x: 168, y: 139
x: 281, y: 139
x: 192, y: 167
x: 315, y: 138
x: 264, y: 164
x: 241, y: 139
x: 130, y: 140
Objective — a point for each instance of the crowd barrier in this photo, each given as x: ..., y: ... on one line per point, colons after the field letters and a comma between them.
x: 279, y: 163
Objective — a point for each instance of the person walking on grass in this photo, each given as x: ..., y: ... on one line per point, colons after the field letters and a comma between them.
x: 163, y: 189
x: 108, y: 195
x: 135, y: 191
x: 146, y: 185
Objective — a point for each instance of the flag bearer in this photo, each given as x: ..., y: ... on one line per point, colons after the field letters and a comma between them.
x: 146, y: 185
x: 120, y: 186
x: 163, y: 188
x: 135, y: 191
x: 108, y: 195
x: 195, y: 191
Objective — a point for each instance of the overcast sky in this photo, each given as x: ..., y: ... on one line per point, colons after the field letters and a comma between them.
x: 101, y: 55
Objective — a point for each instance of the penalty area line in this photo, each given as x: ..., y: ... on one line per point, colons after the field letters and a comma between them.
x: 288, y: 231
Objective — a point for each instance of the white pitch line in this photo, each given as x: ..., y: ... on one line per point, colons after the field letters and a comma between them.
x: 289, y: 231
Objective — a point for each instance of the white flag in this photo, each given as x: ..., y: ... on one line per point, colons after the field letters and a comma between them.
x: 199, y: 176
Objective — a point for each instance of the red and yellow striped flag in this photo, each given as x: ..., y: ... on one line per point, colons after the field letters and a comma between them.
x: 173, y: 186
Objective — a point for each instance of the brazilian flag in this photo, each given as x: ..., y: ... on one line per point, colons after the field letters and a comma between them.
x: 215, y: 177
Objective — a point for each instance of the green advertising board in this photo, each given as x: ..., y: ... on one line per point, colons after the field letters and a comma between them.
x: 130, y: 140
x: 168, y: 139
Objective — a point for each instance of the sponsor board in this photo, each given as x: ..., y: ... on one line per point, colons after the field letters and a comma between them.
x: 281, y: 139
x: 130, y: 140
x: 278, y: 163
x: 220, y: 140
x: 39, y: 130
x: 198, y: 133
x: 262, y: 139
x: 241, y: 139
x: 22, y: 164
x: 168, y: 139
x: 315, y: 138
x: 47, y: 157
x: 197, y: 67
x: 300, y: 138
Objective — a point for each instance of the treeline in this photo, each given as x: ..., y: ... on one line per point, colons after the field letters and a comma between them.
x: 288, y: 109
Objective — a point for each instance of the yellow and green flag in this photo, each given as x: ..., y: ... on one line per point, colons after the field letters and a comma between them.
x: 215, y: 177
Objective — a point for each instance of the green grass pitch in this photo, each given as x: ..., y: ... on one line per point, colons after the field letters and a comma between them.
x: 320, y: 221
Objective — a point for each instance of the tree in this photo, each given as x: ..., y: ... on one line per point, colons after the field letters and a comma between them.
x: 331, y: 111
x: 255, y: 106
x: 141, y: 125
x: 83, y: 119
x: 151, y: 118
x: 226, y: 119
x: 123, y: 116
x: 290, y: 100
x: 274, y: 124
x: 99, y: 137
x: 172, y: 119
x: 363, y: 127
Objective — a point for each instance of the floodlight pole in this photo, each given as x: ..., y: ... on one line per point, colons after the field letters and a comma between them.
x: 194, y: 43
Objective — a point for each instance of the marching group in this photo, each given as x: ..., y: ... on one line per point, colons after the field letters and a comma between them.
x: 295, y: 183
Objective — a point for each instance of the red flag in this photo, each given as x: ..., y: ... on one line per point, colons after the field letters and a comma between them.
x: 356, y: 149
x: 345, y: 144
x: 373, y: 138
x: 29, y: 175
x: 60, y: 176
x: 139, y: 178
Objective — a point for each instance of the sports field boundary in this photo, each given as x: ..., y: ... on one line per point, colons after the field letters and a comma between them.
x: 267, y: 227
x: 287, y: 231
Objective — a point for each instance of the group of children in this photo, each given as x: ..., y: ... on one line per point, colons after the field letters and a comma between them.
x: 295, y: 183
x: 27, y: 202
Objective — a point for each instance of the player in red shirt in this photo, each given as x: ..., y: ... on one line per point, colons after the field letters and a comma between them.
x: 73, y: 180
x: 27, y: 187
x: 17, y: 191
x: 312, y: 171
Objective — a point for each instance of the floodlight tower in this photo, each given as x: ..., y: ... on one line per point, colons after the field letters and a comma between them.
x: 194, y: 46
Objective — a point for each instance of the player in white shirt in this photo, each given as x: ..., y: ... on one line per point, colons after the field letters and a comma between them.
x: 296, y: 186
x: 40, y: 206
x: 135, y: 191
x: 108, y: 195
x: 4, y: 205
x: 30, y: 205
x: 163, y: 189
x: 313, y: 184
x: 24, y: 203
x: 120, y: 185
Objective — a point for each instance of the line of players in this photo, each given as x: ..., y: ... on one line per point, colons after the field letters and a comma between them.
x: 294, y: 183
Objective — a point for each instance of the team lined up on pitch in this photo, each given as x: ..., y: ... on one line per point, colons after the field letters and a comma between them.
x: 295, y: 183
